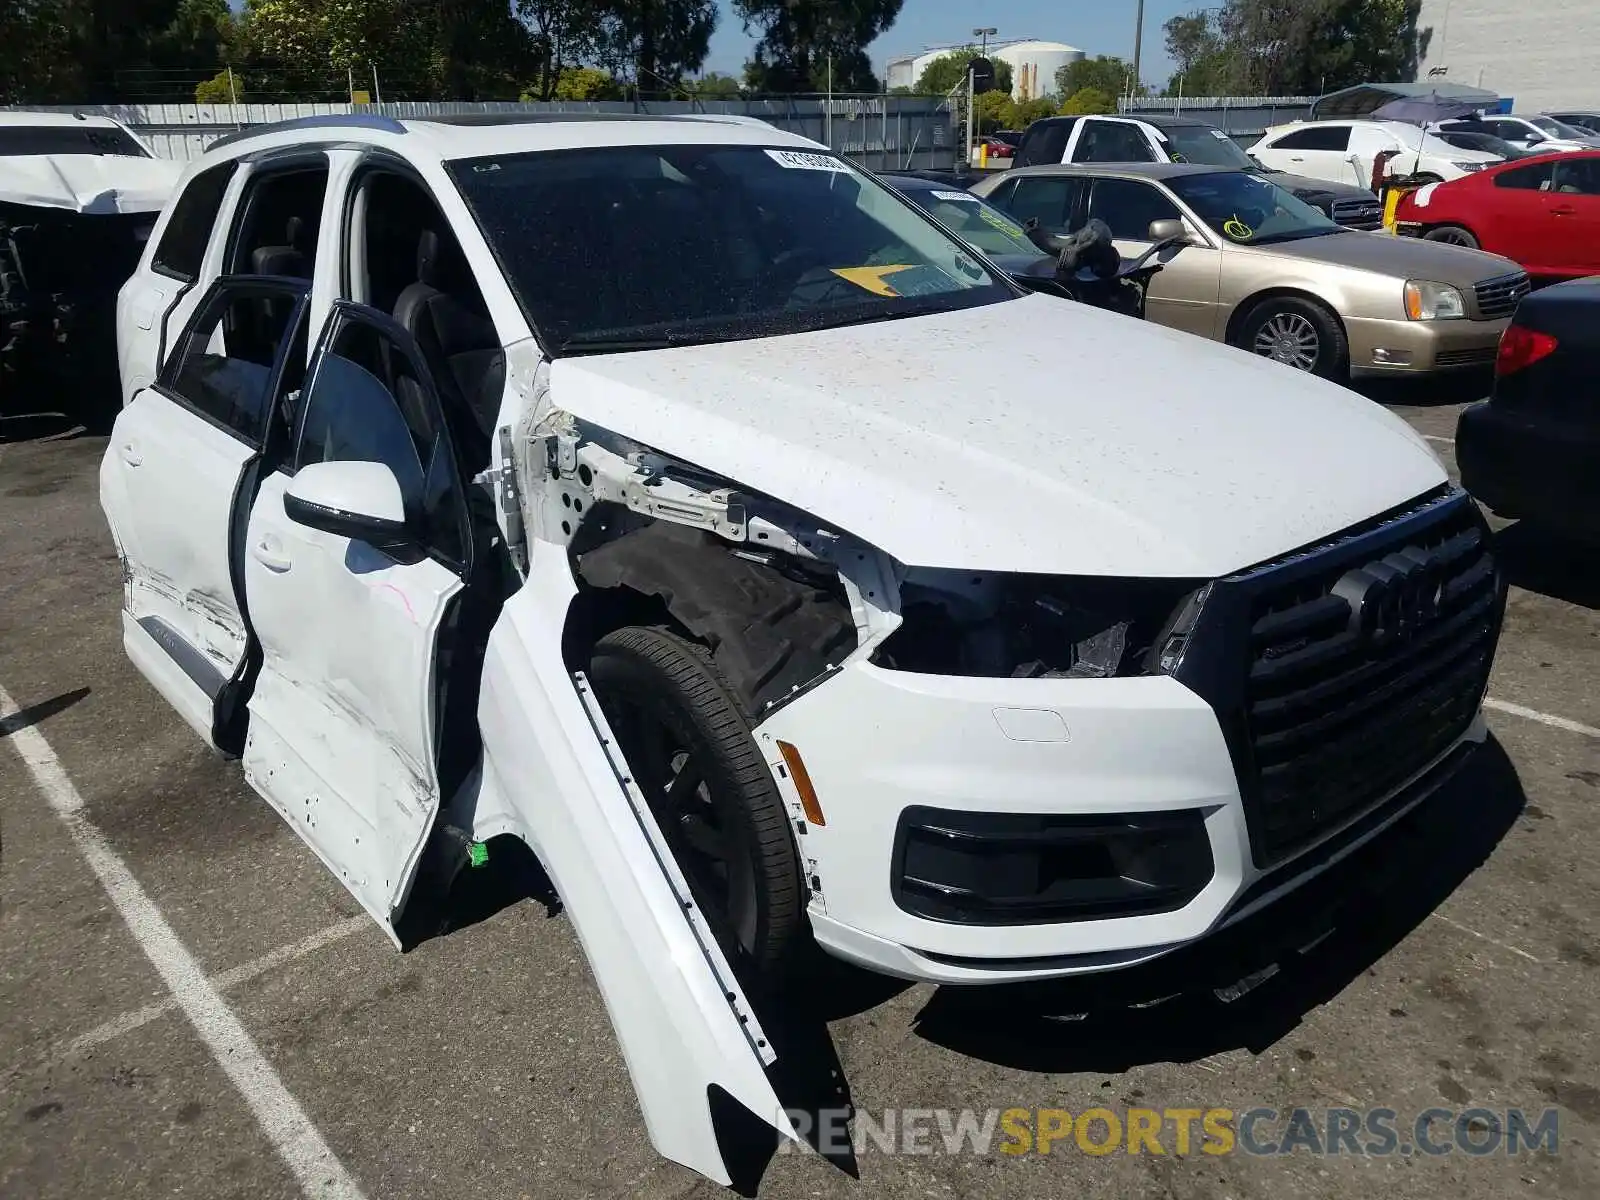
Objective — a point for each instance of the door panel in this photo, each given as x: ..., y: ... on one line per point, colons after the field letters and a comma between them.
x: 547, y: 777
x: 167, y: 484
x: 1183, y: 294
x: 181, y: 454
x: 341, y: 719
x: 343, y: 729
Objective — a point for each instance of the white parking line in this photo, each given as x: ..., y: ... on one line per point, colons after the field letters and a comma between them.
x: 129, y: 1021
x: 1533, y: 714
x: 296, y: 1140
x: 1484, y: 937
x: 1435, y: 438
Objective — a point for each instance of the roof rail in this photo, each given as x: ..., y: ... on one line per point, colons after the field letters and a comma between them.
x: 330, y: 121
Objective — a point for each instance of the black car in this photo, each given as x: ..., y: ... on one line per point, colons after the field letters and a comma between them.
x: 1532, y: 450
x: 978, y: 223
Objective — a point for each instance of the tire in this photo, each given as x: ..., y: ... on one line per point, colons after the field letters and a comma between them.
x: 676, y: 718
x: 1297, y: 332
x: 1453, y: 235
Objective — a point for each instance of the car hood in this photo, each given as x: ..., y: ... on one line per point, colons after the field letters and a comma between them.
x: 1403, y: 258
x: 88, y: 183
x: 1305, y: 187
x: 1031, y: 435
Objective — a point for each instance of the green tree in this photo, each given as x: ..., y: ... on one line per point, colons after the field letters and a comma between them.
x: 1104, y: 73
x: 1087, y: 101
x: 994, y: 110
x: 1029, y: 111
x: 587, y: 83
x: 655, y: 43
x: 942, y: 75
x: 799, y: 40
x: 220, y: 89
x: 716, y: 86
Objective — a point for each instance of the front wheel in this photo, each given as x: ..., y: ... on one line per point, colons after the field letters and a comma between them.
x: 1453, y: 235
x: 1298, y: 333
x: 687, y: 740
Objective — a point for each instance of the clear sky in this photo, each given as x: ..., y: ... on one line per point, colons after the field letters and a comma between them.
x: 1093, y: 26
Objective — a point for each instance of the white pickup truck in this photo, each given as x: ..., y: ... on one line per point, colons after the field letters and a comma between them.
x: 644, y: 489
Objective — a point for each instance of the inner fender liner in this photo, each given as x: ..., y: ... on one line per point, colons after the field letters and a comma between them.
x: 768, y: 631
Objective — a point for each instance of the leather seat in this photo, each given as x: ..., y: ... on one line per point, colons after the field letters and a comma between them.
x: 460, y: 343
x: 289, y: 259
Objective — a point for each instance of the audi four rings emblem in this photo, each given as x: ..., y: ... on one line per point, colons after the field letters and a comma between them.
x: 1392, y: 598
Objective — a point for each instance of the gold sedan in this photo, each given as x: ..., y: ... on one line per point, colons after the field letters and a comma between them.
x: 1269, y: 273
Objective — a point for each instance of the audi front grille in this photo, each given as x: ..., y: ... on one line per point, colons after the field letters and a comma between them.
x: 1353, y: 666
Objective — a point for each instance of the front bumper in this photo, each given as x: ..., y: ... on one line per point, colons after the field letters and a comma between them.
x: 1399, y: 347
x: 876, y: 743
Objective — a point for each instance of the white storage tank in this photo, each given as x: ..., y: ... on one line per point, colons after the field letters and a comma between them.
x: 1034, y: 66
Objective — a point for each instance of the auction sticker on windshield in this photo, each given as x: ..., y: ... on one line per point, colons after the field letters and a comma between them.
x: 958, y: 197
x: 799, y: 160
x: 910, y: 279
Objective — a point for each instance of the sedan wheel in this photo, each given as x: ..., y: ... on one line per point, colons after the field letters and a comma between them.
x: 1452, y: 235
x: 1291, y: 338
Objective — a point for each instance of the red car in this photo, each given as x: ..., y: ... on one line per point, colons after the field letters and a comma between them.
x: 1541, y: 212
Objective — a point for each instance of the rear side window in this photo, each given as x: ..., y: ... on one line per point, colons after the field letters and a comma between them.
x: 1112, y: 142
x: 1051, y: 198
x: 1315, y: 137
x: 1530, y: 179
x: 188, y: 232
x: 1044, y: 142
x: 224, y: 368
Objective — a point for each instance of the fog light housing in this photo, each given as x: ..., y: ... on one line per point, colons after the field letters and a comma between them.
x: 971, y: 868
x: 1391, y: 358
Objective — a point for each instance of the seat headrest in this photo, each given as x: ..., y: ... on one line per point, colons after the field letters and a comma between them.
x: 292, y: 231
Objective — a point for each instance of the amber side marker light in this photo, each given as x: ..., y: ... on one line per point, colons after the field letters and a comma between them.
x: 802, y: 783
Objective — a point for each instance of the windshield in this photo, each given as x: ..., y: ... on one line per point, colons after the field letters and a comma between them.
x: 1249, y: 210
x: 974, y: 222
x: 637, y: 247
x: 1556, y: 129
x: 1486, y: 142
x: 18, y: 141
x: 1206, y: 146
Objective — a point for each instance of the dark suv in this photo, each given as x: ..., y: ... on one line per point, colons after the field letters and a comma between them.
x: 1159, y: 138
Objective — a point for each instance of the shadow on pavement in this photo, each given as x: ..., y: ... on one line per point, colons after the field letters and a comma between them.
x: 1538, y: 559
x: 27, y: 717
x: 1294, y: 956
x: 1429, y: 391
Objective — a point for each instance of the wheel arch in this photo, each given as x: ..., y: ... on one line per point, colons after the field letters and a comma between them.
x: 1243, y: 310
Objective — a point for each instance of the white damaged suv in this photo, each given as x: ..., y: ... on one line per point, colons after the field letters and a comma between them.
x: 645, y: 489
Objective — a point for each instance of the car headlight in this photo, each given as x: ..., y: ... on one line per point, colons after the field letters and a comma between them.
x: 1469, y: 166
x: 1428, y: 301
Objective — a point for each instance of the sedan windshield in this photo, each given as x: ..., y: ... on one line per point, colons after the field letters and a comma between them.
x: 1557, y: 129
x: 1249, y: 210
x: 1206, y: 146
x: 974, y: 222
x: 639, y: 247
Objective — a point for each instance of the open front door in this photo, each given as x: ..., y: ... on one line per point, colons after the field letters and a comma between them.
x: 343, y: 721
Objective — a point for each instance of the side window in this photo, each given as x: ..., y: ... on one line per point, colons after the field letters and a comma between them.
x: 1128, y: 207
x: 1532, y: 179
x: 1112, y: 141
x: 1579, y: 176
x: 1048, y: 197
x: 224, y: 367
x: 369, y: 402
x: 188, y: 232
x: 1043, y: 143
x: 1002, y: 195
x: 280, y: 214
x: 1315, y: 137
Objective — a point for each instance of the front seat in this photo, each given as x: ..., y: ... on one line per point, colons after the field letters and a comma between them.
x: 288, y: 259
x: 460, y: 343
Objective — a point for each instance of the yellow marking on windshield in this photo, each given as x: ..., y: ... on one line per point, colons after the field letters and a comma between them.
x: 871, y: 279
x: 1237, y: 229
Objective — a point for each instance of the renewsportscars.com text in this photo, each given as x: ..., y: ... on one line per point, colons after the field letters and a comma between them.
x: 1261, y: 1132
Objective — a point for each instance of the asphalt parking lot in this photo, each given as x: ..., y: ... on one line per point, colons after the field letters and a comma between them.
x: 305, y: 1056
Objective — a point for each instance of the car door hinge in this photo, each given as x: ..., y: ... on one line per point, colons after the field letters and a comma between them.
x: 504, y: 481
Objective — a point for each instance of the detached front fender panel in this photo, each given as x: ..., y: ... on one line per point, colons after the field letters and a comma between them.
x: 551, y: 774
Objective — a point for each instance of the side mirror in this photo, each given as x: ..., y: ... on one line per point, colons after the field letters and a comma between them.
x: 357, y: 500
x: 1533, y: 139
x: 1168, y: 229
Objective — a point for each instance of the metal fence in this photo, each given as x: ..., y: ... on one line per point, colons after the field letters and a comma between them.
x: 883, y: 133
x: 1240, y: 117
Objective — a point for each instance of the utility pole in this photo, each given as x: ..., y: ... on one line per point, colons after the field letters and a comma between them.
x: 1138, y: 44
